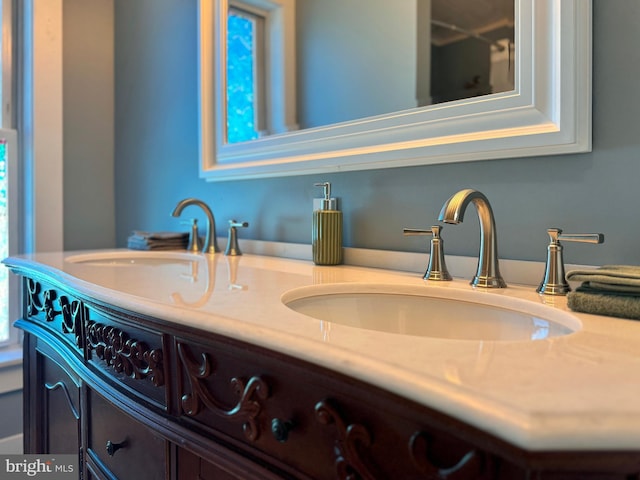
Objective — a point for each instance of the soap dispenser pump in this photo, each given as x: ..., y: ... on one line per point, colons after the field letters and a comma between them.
x: 326, y: 236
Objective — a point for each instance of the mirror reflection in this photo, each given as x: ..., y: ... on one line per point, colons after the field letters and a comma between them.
x: 359, y: 58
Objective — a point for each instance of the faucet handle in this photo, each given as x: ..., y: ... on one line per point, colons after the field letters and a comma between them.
x: 232, y: 240
x: 437, y: 269
x: 554, y: 281
x: 194, y: 240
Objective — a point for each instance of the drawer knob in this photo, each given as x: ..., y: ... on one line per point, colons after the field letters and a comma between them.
x: 112, y: 448
x: 281, y: 428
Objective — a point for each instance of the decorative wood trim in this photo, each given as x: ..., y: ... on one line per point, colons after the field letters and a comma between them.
x: 73, y: 312
x: 39, y: 301
x: 65, y: 390
x: 124, y: 355
x: 473, y: 464
x: 250, y: 394
x: 348, y: 462
x: 34, y: 305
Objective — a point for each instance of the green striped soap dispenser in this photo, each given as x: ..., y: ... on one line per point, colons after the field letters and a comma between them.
x: 326, y: 236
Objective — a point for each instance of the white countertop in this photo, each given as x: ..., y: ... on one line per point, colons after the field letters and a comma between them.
x: 578, y: 391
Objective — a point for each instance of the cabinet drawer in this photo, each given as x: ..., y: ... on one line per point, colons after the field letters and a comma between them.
x: 120, y: 444
x: 307, y: 423
x: 220, y: 465
x: 130, y: 356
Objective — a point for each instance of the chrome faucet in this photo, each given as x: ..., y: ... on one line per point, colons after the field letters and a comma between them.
x: 437, y: 269
x: 554, y: 281
x: 232, y: 240
x: 488, y: 272
x: 210, y: 242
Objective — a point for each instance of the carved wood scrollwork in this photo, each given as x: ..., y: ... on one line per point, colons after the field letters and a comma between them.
x: 250, y: 394
x: 73, y: 312
x: 473, y: 465
x: 39, y: 301
x: 124, y: 355
x: 34, y: 304
x: 349, y: 464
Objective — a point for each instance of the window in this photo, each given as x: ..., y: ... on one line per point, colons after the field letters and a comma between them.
x: 8, y: 284
x: 245, y: 74
x: 4, y: 241
x: 8, y: 185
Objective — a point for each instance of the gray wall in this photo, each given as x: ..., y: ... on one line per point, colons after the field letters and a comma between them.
x: 11, y: 423
x: 352, y: 69
x: 11, y: 407
x: 156, y: 158
x: 88, y: 89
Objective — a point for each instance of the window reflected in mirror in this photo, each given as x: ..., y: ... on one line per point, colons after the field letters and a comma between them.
x: 245, y: 79
x: 259, y: 71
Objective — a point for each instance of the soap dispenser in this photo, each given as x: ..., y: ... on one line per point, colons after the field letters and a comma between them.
x: 326, y: 236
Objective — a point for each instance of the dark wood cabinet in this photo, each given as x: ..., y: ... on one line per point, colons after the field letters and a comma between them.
x: 219, y: 467
x: 121, y: 445
x: 52, y: 401
x: 140, y: 398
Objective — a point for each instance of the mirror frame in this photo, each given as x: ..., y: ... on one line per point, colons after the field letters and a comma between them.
x: 549, y: 112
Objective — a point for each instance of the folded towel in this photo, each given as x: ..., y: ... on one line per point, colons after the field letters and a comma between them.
x: 619, y: 304
x: 141, y: 240
x: 609, y: 278
x: 612, y: 290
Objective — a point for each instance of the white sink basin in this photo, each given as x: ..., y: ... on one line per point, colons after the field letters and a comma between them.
x: 177, y: 276
x: 131, y: 258
x: 437, y: 312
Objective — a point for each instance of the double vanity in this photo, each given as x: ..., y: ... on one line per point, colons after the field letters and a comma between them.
x: 182, y: 365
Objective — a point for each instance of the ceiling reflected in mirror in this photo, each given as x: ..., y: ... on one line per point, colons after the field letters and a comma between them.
x: 360, y: 59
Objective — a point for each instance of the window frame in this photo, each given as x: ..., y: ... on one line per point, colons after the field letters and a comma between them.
x: 7, y: 73
x: 280, y: 66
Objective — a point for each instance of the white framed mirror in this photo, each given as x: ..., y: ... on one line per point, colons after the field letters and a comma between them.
x: 547, y: 112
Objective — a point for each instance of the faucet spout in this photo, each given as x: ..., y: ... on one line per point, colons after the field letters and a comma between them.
x: 488, y: 272
x: 211, y: 242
